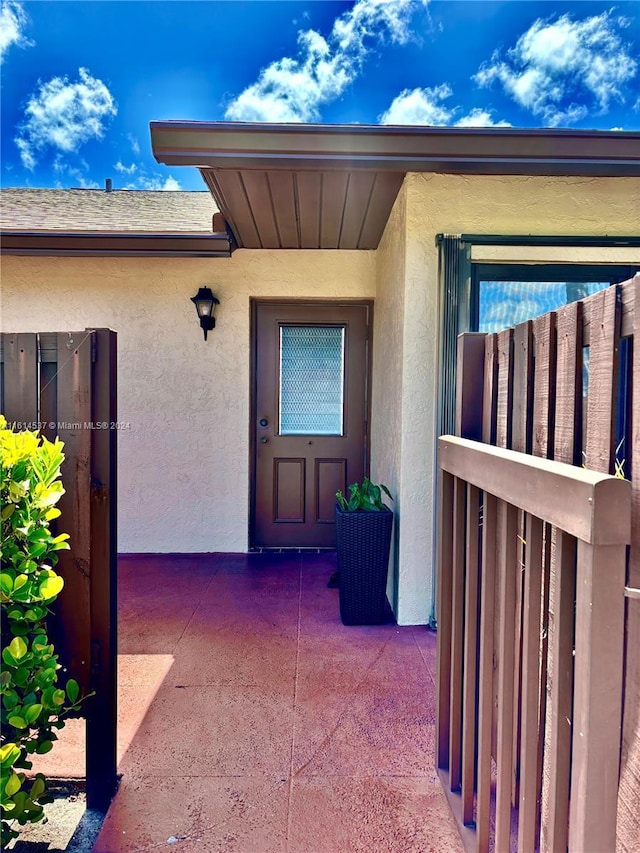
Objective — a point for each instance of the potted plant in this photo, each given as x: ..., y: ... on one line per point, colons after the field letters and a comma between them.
x: 363, y: 540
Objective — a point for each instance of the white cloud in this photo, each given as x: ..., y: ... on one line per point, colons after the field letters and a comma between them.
x: 426, y: 107
x: 561, y: 69
x: 419, y: 106
x: 76, y: 173
x: 293, y: 89
x: 480, y: 118
x: 64, y: 115
x: 135, y: 145
x: 155, y: 182
x: 12, y: 23
x: 125, y: 170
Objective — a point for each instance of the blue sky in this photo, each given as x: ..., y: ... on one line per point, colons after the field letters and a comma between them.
x: 82, y: 80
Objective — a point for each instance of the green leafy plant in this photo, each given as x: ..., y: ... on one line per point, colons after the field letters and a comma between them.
x: 365, y: 496
x: 32, y: 701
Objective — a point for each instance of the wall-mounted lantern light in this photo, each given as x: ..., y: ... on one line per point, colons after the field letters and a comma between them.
x: 205, y: 303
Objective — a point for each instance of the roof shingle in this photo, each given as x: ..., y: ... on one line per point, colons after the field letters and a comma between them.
x: 142, y: 211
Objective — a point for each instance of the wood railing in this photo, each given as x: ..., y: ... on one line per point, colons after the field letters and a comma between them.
x: 586, y: 516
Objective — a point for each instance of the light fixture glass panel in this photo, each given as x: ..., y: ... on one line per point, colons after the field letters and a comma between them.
x: 311, y: 380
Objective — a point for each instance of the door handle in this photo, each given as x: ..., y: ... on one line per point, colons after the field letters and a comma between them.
x: 263, y: 422
x: 264, y: 439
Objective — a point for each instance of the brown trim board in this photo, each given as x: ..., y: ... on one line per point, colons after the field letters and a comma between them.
x: 115, y: 243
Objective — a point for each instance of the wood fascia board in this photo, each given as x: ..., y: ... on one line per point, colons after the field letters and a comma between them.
x: 115, y: 243
x: 479, y: 150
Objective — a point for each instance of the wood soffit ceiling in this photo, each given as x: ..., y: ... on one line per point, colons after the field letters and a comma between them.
x: 281, y: 209
x: 333, y: 187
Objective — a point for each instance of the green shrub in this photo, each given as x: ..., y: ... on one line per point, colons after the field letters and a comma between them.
x: 32, y: 701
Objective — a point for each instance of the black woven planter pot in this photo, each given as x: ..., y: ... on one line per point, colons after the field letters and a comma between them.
x: 363, y: 540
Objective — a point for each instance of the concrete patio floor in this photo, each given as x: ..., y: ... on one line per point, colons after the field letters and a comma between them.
x: 270, y: 727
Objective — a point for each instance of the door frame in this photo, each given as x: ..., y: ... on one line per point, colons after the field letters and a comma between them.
x: 254, y: 303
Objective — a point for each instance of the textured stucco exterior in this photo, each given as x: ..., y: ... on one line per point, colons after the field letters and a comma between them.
x: 430, y: 204
x: 184, y: 459
x: 184, y: 451
x: 388, y: 356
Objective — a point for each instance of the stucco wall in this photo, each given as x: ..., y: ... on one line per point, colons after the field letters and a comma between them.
x: 388, y: 355
x: 458, y: 204
x: 184, y: 459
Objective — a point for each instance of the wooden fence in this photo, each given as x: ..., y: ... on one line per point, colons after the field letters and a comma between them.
x: 64, y: 384
x: 527, y: 661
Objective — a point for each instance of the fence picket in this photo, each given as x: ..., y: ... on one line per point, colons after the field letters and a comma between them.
x: 469, y: 695
x: 568, y: 420
x: 20, y: 353
x: 73, y: 419
x: 485, y: 689
x: 102, y: 715
x: 507, y: 575
x: 457, y: 635
x: 444, y: 599
x: 490, y: 392
x: 527, y: 820
x: 603, y: 380
x: 555, y: 817
x: 544, y: 412
x: 504, y: 420
x: 522, y: 431
x: 544, y: 385
x: 597, y: 696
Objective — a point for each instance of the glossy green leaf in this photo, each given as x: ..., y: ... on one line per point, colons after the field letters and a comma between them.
x: 7, y: 511
x: 51, y: 586
x: 10, y: 700
x: 13, y: 785
x: 37, y: 549
x: 20, y: 581
x: 17, y: 722
x: 32, y: 712
x: 73, y: 690
x: 18, y: 648
x: 21, y: 676
x: 9, y: 754
x: 38, y: 788
x: 7, y: 657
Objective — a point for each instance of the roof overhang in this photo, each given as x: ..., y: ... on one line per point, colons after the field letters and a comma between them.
x: 67, y: 243
x: 333, y: 186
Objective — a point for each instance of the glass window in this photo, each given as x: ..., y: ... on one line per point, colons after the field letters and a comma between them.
x: 507, y: 303
x: 311, y: 380
x: 508, y: 294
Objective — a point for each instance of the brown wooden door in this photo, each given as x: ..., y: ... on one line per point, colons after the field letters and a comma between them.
x: 310, y: 417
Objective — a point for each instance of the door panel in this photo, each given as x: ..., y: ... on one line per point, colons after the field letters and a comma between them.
x: 288, y: 490
x: 310, y: 417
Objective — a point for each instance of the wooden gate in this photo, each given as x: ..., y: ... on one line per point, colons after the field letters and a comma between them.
x: 64, y: 384
x: 528, y: 663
